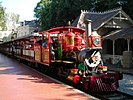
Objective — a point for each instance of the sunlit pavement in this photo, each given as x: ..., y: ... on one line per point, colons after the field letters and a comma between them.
x: 18, y: 82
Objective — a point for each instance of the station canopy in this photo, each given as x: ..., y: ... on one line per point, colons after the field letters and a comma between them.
x: 125, y: 33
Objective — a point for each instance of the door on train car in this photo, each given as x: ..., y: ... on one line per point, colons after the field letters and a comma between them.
x: 46, y: 49
x: 37, y: 48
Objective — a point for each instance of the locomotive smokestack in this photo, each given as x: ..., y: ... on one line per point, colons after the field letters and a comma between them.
x: 88, y: 30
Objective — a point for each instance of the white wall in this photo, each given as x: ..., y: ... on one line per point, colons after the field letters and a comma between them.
x: 4, y: 34
x: 24, y: 30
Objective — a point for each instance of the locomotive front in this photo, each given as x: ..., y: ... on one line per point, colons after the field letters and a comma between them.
x: 89, y: 70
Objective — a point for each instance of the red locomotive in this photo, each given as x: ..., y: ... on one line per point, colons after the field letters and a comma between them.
x: 71, y: 52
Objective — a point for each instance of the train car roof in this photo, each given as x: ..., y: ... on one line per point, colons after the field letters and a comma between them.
x: 28, y: 36
x: 63, y: 29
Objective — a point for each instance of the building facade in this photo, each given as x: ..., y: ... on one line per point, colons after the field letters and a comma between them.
x: 110, y: 23
x: 26, y: 28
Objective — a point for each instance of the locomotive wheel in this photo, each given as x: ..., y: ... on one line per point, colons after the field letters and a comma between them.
x: 86, y: 86
x: 59, y: 71
x: 76, y: 79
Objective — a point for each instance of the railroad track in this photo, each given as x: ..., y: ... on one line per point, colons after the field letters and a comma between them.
x: 124, y: 72
x: 117, y: 95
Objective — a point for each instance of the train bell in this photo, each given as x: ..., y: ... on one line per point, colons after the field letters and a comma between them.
x: 69, y: 37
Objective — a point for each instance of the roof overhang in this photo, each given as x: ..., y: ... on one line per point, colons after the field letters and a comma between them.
x: 125, y: 33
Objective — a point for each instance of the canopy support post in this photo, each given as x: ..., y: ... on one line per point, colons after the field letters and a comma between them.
x: 128, y: 43
x: 113, y: 51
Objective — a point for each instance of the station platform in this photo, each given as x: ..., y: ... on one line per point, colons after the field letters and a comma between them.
x: 112, y: 67
x: 19, y: 82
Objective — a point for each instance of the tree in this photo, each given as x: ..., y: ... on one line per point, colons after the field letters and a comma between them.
x: 2, y: 18
x: 53, y: 13
x: 102, y: 5
x: 42, y: 13
x: 11, y: 20
x: 129, y: 7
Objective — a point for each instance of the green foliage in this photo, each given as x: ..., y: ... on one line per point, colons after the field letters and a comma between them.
x: 128, y: 7
x: 42, y: 13
x: 102, y: 5
x: 2, y: 18
x: 53, y: 13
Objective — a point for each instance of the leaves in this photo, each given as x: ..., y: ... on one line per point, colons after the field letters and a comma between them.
x: 128, y: 7
x: 102, y: 5
x: 2, y: 18
x: 53, y: 13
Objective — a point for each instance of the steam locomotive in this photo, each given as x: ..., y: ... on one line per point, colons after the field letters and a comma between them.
x: 71, y: 52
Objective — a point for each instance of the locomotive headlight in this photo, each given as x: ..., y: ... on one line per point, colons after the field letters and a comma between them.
x: 96, y: 41
x: 94, y: 58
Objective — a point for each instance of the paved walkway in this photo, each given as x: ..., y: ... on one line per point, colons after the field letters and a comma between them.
x: 18, y: 82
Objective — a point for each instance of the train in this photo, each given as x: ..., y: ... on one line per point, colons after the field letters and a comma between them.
x: 69, y: 52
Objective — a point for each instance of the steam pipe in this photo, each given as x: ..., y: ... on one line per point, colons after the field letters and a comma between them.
x: 88, y: 30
